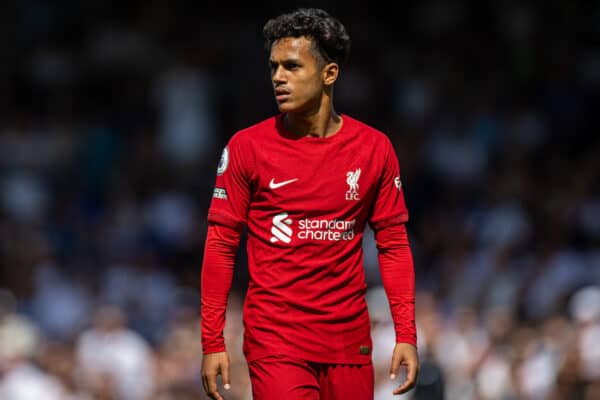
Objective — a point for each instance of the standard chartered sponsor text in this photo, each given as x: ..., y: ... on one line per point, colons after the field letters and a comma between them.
x: 326, y: 229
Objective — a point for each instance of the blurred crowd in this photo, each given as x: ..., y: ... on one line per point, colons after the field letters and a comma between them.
x: 112, y: 120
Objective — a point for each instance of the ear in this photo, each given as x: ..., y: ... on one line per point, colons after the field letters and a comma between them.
x: 330, y: 73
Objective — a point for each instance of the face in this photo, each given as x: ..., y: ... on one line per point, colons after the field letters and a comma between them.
x: 298, y: 74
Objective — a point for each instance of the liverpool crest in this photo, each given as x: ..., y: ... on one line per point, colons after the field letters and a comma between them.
x: 352, y: 181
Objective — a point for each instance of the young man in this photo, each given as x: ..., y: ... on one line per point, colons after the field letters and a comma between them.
x: 305, y: 183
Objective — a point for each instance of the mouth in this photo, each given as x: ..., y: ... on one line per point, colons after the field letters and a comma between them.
x: 281, y: 95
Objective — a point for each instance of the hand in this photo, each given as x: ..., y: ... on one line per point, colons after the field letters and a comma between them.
x: 405, y: 354
x: 215, y: 364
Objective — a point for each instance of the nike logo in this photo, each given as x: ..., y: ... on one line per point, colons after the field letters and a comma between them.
x: 274, y: 185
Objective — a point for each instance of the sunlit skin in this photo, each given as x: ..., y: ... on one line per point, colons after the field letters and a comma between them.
x: 303, y: 86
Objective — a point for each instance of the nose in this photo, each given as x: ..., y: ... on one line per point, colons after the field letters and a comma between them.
x: 278, y: 75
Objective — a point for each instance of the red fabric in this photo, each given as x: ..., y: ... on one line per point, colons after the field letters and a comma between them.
x: 306, y: 202
x: 397, y: 274
x: 217, y: 272
x: 282, y: 377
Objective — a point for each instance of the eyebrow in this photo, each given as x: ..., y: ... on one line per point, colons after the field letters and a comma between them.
x: 287, y: 60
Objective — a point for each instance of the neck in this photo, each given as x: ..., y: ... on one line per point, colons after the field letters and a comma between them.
x: 323, y: 122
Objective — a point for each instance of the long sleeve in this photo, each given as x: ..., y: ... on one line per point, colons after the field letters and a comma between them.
x: 217, y: 272
x: 397, y: 273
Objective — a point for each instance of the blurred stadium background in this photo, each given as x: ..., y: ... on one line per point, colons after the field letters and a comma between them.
x: 112, y: 119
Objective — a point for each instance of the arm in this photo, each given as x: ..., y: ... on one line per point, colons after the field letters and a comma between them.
x: 227, y: 216
x: 397, y: 274
x: 217, y: 272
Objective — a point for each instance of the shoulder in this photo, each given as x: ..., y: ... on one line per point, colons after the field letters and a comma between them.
x: 254, y: 133
x: 367, y: 133
x: 244, y: 144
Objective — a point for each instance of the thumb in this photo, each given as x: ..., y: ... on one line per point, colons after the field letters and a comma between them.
x: 225, y: 375
x: 395, y: 365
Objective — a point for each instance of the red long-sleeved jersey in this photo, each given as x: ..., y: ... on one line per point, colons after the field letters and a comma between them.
x: 306, y: 202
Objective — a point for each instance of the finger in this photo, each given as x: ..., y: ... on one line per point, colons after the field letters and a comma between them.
x: 405, y: 387
x: 395, y: 366
x: 204, y: 384
x: 411, y: 375
x: 411, y: 378
x: 225, y: 375
x: 212, y: 387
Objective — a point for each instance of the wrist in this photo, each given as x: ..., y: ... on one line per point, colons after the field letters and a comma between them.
x: 213, y: 348
x: 408, y: 339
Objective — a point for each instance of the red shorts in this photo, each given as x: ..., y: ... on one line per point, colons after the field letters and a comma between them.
x: 282, y: 377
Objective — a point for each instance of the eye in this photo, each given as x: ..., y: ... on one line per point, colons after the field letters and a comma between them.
x: 291, y: 66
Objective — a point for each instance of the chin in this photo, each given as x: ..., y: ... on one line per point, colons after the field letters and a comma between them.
x: 286, y: 107
x: 293, y: 107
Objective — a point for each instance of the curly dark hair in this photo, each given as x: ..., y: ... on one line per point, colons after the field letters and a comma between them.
x: 328, y: 35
